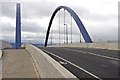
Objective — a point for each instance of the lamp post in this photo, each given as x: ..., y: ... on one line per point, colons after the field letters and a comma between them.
x: 80, y: 37
x: 66, y: 33
x: 51, y: 37
x: 64, y: 26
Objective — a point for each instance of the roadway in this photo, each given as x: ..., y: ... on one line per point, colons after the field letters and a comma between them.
x: 87, y: 63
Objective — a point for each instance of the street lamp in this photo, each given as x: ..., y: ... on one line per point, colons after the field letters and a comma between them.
x: 66, y: 33
x: 51, y: 37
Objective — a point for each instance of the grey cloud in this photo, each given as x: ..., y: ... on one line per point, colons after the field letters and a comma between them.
x: 7, y: 32
x: 0, y: 9
x: 84, y: 13
x: 74, y: 31
x: 10, y: 37
x: 45, y: 9
x: 105, y: 33
x: 7, y: 28
x: 32, y: 27
x: 80, y: 10
x: 37, y: 9
x: 101, y: 18
x: 29, y: 9
x: 8, y: 9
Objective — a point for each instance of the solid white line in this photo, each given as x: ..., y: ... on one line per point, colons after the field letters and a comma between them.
x: 74, y: 65
x: 95, y: 54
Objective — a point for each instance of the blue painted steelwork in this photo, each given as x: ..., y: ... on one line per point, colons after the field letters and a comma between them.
x: 18, y: 26
x: 77, y: 20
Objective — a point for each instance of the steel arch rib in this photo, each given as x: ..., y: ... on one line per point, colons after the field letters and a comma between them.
x: 77, y: 20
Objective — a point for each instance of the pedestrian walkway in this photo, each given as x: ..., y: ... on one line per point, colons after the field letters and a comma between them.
x: 17, y: 63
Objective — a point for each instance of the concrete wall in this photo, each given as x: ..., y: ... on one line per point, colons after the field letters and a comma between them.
x: 5, y: 44
x: 0, y: 54
x: 111, y: 46
x: 47, y: 66
x: 0, y: 69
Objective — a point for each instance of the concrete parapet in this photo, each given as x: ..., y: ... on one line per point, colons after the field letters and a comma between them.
x: 47, y: 66
x: 111, y: 46
x: 0, y: 69
x: 5, y: 44
x: 0, y: 64
x: 0, y: 54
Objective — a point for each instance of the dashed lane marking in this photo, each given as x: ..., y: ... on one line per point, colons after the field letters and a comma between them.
x: 95, y: 54
x: 93, y: 75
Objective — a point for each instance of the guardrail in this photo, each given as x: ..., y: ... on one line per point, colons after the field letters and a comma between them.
x: 47, y: 66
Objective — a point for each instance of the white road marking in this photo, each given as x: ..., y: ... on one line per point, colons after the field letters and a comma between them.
x: 95, y: 54
x: 61, y: 62
x: 74, y: 65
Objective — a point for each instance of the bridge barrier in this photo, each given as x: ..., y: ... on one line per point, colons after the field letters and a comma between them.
x: 0, y: 69
x: 47, y: 66
x: 4, y: 44
x: 111, y: 46
x: 0, y: 54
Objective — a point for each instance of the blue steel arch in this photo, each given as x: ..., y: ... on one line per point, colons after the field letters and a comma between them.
x: 77, y: 20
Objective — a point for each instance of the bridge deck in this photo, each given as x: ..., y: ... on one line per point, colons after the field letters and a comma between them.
x: 17, y: 63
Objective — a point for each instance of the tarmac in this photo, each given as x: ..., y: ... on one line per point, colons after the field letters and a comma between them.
x: 29, y: 63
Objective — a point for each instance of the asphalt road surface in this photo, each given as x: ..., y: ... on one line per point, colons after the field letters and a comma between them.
x: 87, y: 63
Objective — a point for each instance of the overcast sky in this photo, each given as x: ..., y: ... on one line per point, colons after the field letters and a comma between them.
x: 100, y: 18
